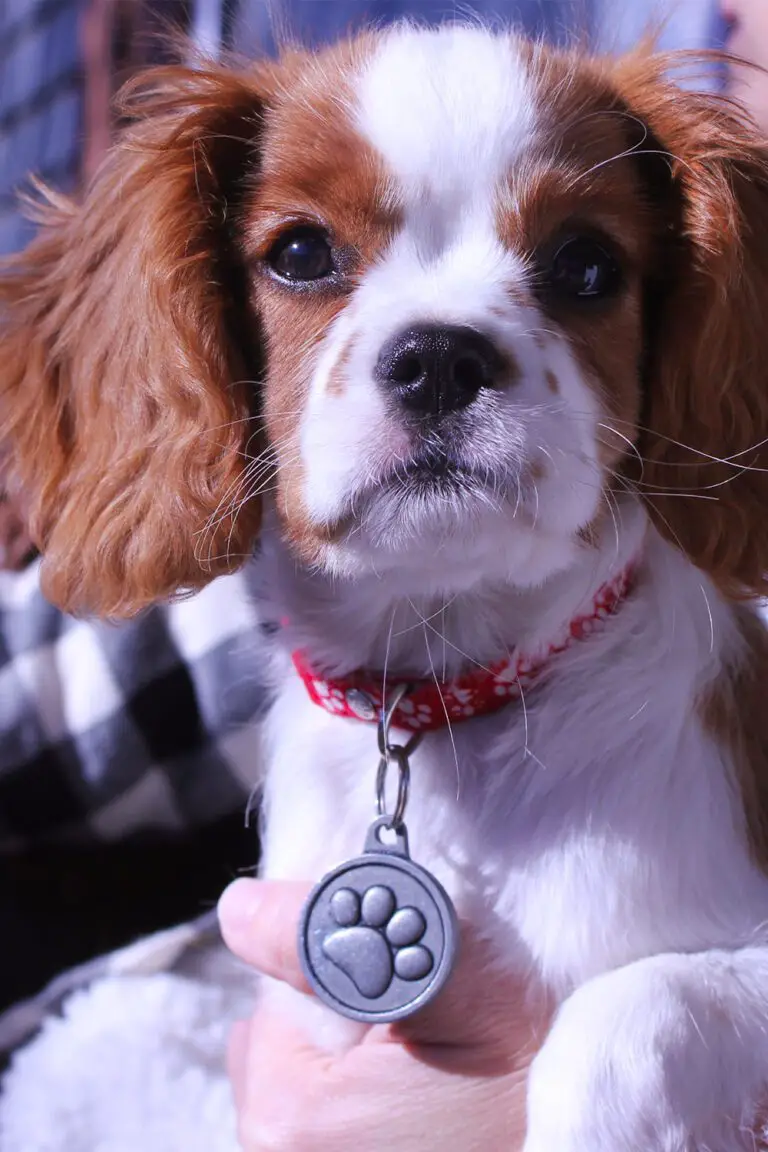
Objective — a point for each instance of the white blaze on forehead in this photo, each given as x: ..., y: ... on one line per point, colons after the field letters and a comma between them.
x: 449, y: 110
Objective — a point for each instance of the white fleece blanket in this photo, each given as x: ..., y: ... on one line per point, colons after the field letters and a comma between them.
x: 128, y: 1053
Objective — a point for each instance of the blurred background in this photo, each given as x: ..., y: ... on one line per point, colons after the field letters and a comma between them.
x: 60, y: 60
x: 98, y: 848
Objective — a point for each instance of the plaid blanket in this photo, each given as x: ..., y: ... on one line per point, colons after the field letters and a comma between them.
x: 108, y: 729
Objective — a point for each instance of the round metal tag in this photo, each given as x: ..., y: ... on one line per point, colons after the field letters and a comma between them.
x: 378, y: 935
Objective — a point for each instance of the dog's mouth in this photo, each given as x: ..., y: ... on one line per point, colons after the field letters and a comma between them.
x: 433, y: 466
x: 430, y: 487
x: 422, y: 491
x: 435, y: 505
x: 438, y: 472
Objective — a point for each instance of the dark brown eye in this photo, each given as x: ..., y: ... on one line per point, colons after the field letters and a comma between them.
x: 583, y: 269
x: 304, y: 253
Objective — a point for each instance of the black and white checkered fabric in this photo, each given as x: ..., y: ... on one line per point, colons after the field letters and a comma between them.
x: 105, y: 730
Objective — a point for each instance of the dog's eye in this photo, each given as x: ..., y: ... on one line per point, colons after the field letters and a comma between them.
x: 303, y: 253
x: 583, y: 269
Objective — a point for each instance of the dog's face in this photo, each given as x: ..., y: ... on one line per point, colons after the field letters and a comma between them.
x: 482, y: 286
x: 451, y: 268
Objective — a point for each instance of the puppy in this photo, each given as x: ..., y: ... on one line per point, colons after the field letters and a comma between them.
x: 479, y: 329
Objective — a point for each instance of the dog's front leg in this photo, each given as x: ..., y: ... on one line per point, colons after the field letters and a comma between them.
x: 668, y: 1054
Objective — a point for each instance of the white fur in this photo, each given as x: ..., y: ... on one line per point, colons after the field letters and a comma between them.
x: 450, y: 110
x: 134, y: 1064
x: 594, y: 832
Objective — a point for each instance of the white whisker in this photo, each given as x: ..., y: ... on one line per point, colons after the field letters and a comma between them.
x: 442, y: 701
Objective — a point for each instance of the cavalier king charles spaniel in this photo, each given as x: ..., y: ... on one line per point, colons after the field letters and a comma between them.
x: 466, y: 337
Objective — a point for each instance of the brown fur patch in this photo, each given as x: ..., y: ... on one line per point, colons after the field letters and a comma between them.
x: 518, y: 294
x: 316, y: 167
x: 706, y: 374
x: 337, y: 383
x: 734, y: 712
x: 590, y: 533
x: 126, y: 365
x: 552, y: 381
x: 572, y: 183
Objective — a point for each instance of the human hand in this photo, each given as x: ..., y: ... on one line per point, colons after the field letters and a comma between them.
x: 453, y: 1077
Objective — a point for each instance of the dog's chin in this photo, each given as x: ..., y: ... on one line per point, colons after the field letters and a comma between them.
x: 422, y: 501
x: 443, y: 528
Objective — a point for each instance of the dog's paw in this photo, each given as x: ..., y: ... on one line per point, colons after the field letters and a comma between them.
x: 648, y: 1059
x: 374, y: 940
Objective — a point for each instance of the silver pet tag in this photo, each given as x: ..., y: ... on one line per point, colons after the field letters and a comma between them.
x: 378, y: 935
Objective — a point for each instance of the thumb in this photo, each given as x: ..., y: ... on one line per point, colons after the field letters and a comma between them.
x: 278, y: 1078
x: 478, y: 1008
x: 259, y: 922
x: 279, y: 1049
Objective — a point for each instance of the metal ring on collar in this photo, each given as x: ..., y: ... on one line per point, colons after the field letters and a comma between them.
x: 400, y: 756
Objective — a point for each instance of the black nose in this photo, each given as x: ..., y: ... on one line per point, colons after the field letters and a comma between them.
x: 433, y: 369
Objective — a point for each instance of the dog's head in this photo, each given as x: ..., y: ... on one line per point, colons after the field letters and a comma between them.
x: 439, y: 295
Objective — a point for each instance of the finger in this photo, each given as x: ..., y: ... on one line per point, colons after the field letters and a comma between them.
x: 283, y: 1084
x: 237, y: 1060
x: 259, y: 921
x: 278, y: 1047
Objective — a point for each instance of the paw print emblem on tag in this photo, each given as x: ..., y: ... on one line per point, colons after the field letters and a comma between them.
x: 377, y: 939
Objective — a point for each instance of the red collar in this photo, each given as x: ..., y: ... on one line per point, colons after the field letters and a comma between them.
x: 431, y: 704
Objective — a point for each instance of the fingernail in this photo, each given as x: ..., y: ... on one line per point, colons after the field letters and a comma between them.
x: 239, y: 906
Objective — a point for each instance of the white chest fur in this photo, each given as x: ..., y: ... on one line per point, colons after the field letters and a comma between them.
x: 596, y: 825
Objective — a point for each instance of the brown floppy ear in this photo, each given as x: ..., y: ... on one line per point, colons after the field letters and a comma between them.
x: 128, y: 360
x: 704, y: 439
